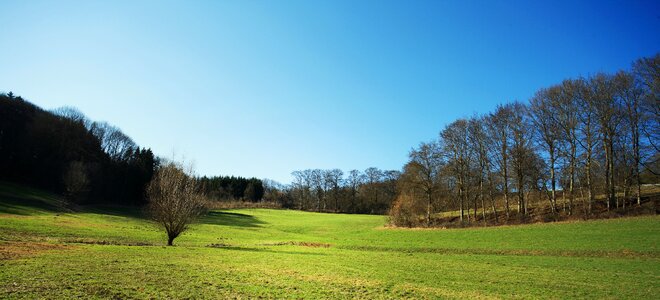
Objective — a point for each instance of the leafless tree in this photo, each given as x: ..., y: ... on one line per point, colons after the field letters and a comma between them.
x: 317, y: 181
x: 630, y: 94
x: 478, y: 143
x: 371, y: 178
x: 76, y: 181
x: 567, y: 119
x: 456, y: 149
x: 542, y: 116
x: 299, y: 186
x: 72, y: 114
x: 521, y: 151
x: 647, y: 76
x: 608, y: 116
x: 113, y: 141
x: 175, y: 200
x: 587, y: 127
x: 423, y: 172
x: 333, y: 179
x: 499, y: 128
x: 353, y: 183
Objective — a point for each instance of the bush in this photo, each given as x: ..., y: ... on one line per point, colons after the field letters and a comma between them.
x: 407, y: 212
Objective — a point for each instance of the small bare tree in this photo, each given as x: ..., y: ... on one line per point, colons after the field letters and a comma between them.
x: 76, y: 181
x: 175, y: 200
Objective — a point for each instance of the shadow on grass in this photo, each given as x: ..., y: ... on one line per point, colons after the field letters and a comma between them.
x: 266, y: 250
x: 134, y: 212
x: 24, y: 206
x: 230, y: 219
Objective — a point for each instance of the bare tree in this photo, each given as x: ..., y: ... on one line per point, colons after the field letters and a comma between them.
x: 567, y: 119
x: 630, y: 95
x: 478, y: 143
x: 76, y: 181
x: 542, y: 116
x: 371, y: 178
x: 353, y: 182
x: 456, y: 148
x: 588, y: 136
x: 521, y: 151
x: 499, y: 128
x: 647, y: 76
x: 299, y: 186
x: 113, y: 141
x: 175, y: 200
x: 72, y: 114
x: 607, y: 114
x: 423, y: 172
x: 317, y: 181
x: 333, y: 179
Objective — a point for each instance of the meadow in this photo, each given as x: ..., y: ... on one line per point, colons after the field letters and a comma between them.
x: 113, y: 252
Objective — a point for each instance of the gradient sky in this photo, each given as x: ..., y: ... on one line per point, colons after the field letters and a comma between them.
x: 262, y: 88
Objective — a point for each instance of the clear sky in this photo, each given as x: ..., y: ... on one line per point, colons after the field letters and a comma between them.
x: 262, y: 88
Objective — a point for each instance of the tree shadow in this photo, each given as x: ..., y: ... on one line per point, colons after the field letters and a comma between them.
x: 116, y: 210
x: 24, y: 206
x: 230, y: 219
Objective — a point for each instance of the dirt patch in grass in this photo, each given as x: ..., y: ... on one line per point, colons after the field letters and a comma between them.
x: 219, y: 245
x: 15, y: 250
x: 303, y: 244
x: 104, y: 242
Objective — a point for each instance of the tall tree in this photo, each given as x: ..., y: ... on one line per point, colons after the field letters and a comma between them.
x: 499, y: 128
x: 541, y: 109
x: 608, y: 116
x: 456, y: 148
x: 333, y: 180
x: 521, y: 151
x: 423, y: 171
x: 478, y: 145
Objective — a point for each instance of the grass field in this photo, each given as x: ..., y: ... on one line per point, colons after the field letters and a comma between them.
x: 114, y: 253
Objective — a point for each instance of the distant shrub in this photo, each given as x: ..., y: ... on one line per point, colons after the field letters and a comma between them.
x: 407, y: 212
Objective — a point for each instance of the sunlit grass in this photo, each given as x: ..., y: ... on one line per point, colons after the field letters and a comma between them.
x: 271, y: 253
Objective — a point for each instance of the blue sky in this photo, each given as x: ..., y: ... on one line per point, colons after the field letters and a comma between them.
x: 262, y: 88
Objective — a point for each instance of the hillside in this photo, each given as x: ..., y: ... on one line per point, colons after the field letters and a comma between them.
x: 111, y: 252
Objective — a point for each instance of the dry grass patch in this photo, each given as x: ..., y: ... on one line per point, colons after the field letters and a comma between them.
x: 15, y: 250
x: 105, y: 242
x: 303, y: 244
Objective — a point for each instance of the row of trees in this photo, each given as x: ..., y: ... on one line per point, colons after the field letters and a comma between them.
x: 579, y: 139
x: 371, y: 191
x: 63, y: 151
x: 222, y: 188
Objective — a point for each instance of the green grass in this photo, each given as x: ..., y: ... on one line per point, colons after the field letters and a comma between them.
x: 267, y: 254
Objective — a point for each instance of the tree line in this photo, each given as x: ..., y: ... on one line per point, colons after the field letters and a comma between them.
x: 576, y: 147
x: 222, y: 188
x: 370, y: 191
x: 64, y: 152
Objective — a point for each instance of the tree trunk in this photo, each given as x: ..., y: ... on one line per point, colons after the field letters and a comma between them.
x: 553, y: 182
x: 460, y: 198
x: 590, y: 188
x: 636, y: 160
x: 492, y: 197
x: 506, y: 189
x: 481, y: 195
x: 571, y: 181
x: 475, y: 209
x: 428, y: 210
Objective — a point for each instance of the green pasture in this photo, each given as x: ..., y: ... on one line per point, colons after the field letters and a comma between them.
x: 108, y: 252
